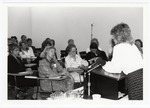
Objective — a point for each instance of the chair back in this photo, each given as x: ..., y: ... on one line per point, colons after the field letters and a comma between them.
x: 134, y: 82
x: 82, y: 54
x: 63, y: 53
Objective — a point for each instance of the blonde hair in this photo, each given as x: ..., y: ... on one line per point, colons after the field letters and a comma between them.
x: 48, y: 49
x: 123, y: 32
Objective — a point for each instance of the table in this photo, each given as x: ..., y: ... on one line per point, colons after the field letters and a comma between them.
x: 69, y: 95
x: 79, y: 97
x: 30, y: 65
x: 43, y: 78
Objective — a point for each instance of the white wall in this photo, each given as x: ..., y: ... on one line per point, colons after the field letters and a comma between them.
x: 63, y: 23
x: 19, y: 21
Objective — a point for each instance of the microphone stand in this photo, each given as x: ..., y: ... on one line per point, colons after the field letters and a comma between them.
x: 91, y: 31
x: 88, y: 83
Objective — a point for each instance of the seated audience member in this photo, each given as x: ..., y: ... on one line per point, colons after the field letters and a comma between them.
x: 74, y: 63
x: 52, y: 42
x: 9, y: 41
x: 48, y: 44
x: 44, y: 43
x: 94, y: 40
x: 23, y: 39
x: 139, y: 45
x: 95, y: 53
x: 126, y: 56
x: 14, y: 61
x: 8, y: 45
x: 14, y: 40
x: 70, y: 42
x: 49, y: 67
x: 26, y: 52
x: 29, y: 43
x: 110, y: 52
x: 15, y: 65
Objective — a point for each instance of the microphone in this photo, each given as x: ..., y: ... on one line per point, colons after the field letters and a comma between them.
x: 97, y: 65
x: 91, y: 23
x: 100, y: 61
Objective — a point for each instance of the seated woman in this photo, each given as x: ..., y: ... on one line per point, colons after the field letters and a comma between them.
x: 48, y: 43
x: 26, y: 52
x: 74, y: 63
x: 15, y: 65
x: 29, y: 43
x: 70, y: 41
x: 49, y: 67
x: 44, y: 43
x: 95, y: 53
x: 139, y: 45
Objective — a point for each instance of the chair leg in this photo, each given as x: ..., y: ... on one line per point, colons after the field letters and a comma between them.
x: 80, y: 78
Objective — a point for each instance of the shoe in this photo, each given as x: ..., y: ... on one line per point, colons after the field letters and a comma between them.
x: 34, y: 97
x: 21, y: 95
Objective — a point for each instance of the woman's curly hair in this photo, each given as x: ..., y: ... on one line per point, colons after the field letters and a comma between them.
x: 122, y: 31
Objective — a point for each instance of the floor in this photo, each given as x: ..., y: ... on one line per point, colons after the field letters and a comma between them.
x: 44, y: 96
x: 29, y: 93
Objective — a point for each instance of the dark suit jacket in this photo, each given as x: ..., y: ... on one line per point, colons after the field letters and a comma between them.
x: 101, y: 54
x: 15, y: 65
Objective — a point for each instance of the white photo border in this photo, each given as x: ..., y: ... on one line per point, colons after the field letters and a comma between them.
x: 3, y: 64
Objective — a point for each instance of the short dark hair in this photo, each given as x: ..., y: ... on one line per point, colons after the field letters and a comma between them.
x: 23, y: 35
x: 14, y: 37
x: 45, y: 43
x: 69, y: 47
x: 29, y: 39
x: 139, y: 41
x: 13, y: 47
x: 52, y: 40
x: 70, y: 40
x: 93, y: 46
x: 20, y: 44
x: 95, y: 40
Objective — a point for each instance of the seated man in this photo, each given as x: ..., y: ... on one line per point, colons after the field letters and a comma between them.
x: 94, y: 40
x: 29, y: 43
x: 95, y: 53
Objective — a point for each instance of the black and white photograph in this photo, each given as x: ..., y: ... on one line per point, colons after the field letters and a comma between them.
x: 64, y: 53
